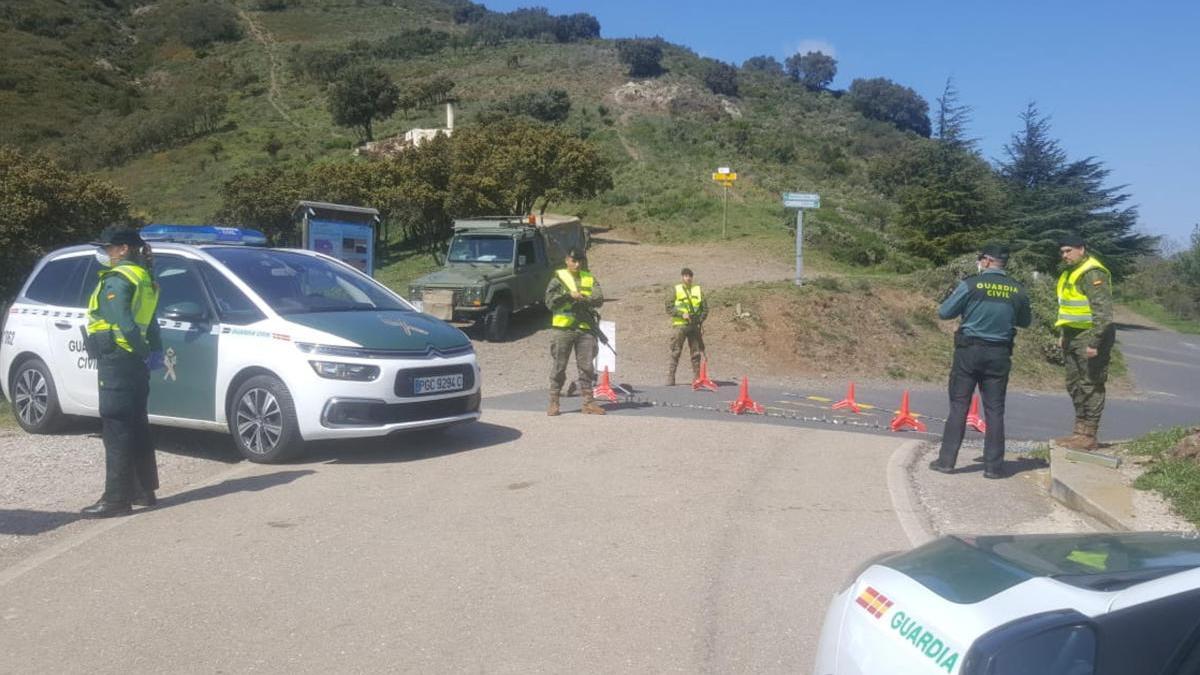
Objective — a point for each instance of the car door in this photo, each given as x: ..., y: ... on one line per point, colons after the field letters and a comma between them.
x: 186, y: 386
x: 530, y: 288
x: 66, y: 284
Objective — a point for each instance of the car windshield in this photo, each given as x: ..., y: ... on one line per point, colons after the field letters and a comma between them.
x: 481, y: 249
x: 296, y: 283
x: 970, y: 569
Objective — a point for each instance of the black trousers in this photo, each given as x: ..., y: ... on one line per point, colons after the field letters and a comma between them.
x: 983, y: 365
x: 130, y: 467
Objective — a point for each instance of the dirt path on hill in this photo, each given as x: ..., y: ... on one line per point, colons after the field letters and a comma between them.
x: 264, y: 37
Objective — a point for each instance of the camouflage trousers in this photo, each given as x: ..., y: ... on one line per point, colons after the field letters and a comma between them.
x: 695, y: 341
x: 1086, y: 378
x: 585, y: 346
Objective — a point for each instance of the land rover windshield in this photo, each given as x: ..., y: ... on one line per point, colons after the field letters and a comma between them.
x: 477, y: 249
x: 296, y: 283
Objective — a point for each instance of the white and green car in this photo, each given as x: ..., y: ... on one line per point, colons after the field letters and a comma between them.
x: 275, y: 346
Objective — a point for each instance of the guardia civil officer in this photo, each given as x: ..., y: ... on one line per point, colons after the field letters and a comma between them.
x: 687, y: 309
x: 123, y: 334
x: 992, y: 306
x: 571, y: 293
x: 1085, y: 317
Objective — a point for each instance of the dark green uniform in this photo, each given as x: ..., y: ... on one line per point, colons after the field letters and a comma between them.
x: 565, y: 339
x: 688, y: 330
x: 124, y: 382
x: 1087, y: 378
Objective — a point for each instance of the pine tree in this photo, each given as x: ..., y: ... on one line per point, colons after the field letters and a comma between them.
x: 952, y: 119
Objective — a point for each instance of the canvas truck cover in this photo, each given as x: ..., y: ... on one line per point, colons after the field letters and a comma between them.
x: 561, y: 233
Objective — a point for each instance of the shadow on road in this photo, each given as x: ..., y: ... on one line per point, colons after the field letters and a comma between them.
x: 413, y: 446
x: 26, y: 522
x: 1132, y: 326
x: 1013, y: 466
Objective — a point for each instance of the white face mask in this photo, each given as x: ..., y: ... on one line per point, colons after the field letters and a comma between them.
x: 103, y: 258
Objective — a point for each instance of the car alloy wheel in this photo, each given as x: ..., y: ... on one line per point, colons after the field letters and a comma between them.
x: 31, y: 396
x: 259, y: 421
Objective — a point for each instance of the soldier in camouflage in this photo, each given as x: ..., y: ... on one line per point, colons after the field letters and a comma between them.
x: 1085, y: 317
x: 572, y: 289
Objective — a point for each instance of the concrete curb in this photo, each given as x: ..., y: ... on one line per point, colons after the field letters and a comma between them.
x: 904, y: 499
x: 1096, y: 490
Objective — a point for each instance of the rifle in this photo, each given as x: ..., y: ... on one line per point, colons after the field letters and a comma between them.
x: 585, y: 314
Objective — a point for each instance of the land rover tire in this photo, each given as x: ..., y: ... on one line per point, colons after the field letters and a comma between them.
x: 495, y: 322
x: 262, y: 420
x: 35, y: 398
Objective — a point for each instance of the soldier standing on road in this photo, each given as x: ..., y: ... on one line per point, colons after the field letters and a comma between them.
x: 122, y: 332
x: 992, y: 306
x: 571, y: 291
x: 1085, y: 316
x: 688, y: 311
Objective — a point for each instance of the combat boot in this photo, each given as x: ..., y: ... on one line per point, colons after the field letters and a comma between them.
x: 1085, y: 440
x: 590, y: 407
x: 1068, y: 441
x: 552, y: 409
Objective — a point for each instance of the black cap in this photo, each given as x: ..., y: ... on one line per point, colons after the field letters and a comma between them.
x: 995, y: 251
x: 115, y: 235
x: 1072, y: 239
x: 686, y: 272
x: 577, y: 254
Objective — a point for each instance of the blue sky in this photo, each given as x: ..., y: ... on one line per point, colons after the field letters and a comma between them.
x: 1120, y: 80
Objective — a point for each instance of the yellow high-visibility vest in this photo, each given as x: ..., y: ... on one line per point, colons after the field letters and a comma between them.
x: 1074, y: 310
x: 145, y: 301
x: 682, y: 305
x: 564, y: 317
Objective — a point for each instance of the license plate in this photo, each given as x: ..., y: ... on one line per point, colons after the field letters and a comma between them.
x: 437, y: 383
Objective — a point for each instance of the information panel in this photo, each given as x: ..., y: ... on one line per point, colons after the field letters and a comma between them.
x: 352, y: 243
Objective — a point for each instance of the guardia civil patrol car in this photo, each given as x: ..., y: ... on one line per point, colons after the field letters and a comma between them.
x: 275, y: 346
x: 1092, y: 604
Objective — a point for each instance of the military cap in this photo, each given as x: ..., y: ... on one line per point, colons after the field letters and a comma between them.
x: 116, y: 235
x: 1072, y: 239
x: 995, y: 251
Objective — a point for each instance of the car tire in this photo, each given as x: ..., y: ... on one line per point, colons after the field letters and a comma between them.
x: 495, y: 323
x: 35, y: 398
x: 262, y: 420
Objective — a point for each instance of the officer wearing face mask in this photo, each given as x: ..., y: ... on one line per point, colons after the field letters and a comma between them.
x: 123, y: 336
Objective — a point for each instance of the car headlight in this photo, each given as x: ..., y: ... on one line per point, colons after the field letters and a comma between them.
x: 472, y: 295
x: 335, y: 370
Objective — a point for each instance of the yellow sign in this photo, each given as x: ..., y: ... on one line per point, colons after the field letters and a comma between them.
x: 724, y: 177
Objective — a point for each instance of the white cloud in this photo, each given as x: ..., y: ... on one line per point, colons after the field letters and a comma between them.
x: 814, y: 45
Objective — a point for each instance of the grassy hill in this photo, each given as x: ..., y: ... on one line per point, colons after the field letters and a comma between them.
x: 80, y: 79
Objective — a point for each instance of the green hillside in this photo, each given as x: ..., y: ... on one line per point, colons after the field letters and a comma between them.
x: 83, y: 88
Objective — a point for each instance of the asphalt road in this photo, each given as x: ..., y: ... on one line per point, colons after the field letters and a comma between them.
x: 520, y: 544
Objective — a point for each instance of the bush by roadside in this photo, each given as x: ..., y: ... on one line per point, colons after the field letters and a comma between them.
x: 1173, y: 468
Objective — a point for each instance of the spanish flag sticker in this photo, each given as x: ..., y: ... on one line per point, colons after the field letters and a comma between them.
x: 111, y: 296
x: 1098, y: 282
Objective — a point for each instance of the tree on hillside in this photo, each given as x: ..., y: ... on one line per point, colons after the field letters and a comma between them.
x: 426, y: 93
x: 952, y: 118
x: 881, y: 99
x: 644, y: 57
x: 42, y: 207
x: 1047, y: 196
x: 552, y: 105
x: 574, y: 27
x: 815, y: 70
x: 263, y: 200
x: 539, y: 165
x: 721, y: 78
x: 363, y: 95
x: 763, y: 64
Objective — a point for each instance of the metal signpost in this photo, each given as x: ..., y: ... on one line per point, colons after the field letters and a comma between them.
x: 800, y: 201
x: 726, y: 178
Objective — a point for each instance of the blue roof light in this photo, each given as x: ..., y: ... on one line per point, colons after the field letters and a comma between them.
x: 203, y: 234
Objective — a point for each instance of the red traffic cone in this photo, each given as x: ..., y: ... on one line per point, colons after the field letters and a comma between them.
x: 604, y: 390
x: 905, y: 418
x: 973, y: 419
x: 744, y: 403
x: 703, y: 381
x: 848, y: 403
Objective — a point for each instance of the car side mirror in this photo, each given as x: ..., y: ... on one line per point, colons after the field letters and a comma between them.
x: 185, y: 311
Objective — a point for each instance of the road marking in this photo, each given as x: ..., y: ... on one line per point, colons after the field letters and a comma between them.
x: 36, y: 560
x: 904, y: 499
x: 1153, y: 359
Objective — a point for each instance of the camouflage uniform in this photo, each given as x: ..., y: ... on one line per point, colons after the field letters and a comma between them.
x: 574, y: 338
x: 690, y: 332
x: 1086, y: 378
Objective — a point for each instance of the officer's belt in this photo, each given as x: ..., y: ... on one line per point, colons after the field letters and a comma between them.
x: 961, y: 340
